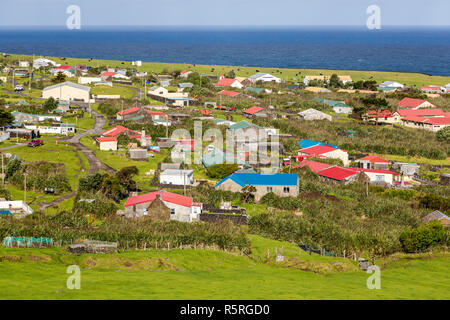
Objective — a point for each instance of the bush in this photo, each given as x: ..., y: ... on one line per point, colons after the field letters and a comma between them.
x: 220, y: 171
x: 423, y: 237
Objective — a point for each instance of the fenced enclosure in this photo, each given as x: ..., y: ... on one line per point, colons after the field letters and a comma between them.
x: 27, y: 242
x: 94, y: 246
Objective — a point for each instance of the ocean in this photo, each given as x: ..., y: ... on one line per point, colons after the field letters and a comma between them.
x: 402, y: 49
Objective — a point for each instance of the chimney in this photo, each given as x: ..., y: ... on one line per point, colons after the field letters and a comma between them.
x: 402, y: 184
x: 143, y: 138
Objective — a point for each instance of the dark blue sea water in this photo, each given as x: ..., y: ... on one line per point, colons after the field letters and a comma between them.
x: 425, y: 50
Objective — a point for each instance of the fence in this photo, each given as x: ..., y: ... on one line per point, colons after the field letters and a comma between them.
x: 215, y: 218
x: 27, y: 242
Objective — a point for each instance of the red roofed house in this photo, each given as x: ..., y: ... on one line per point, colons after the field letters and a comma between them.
x: 229, y: 93
x: 251, y: 112
x: 128, y: 113
x: 107, y: 143
x: 433, y: 89
x: 68, y: 71
x: 340, y: 174
x: 378, y: 176
x: 428, y: 119
x: 373, y: 162
x: 118, y: 130
x: 228, y: 82
x: 381, y: 116
x: 185, y: 73
x: 326, y: 151
x: 179, y: 207
x: 105, y: 75
x: 315, y: 166
x: 410, y: 103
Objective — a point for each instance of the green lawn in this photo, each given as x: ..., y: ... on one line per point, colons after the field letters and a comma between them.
x: 124, y: 92
x: 416, y: 79
x: 208, y: 274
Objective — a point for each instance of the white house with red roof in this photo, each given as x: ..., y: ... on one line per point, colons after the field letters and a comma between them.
x: 349, y: 174
x: 115, y: 75
x: 229, y: 82
x: 427, y: 119
x: 132, y: 134
x: 67, y: 70
x: 381, y: 116
x: 182, y: 208
x: 373, y: 162
x: 325, y: 151
x: 107, y: 143
x: 414, y: 104
x: 433, y: 89
x: 185, y: 73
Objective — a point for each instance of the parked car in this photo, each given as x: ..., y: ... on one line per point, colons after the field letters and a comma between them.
x: 19, y: 87
x: 35, y: 143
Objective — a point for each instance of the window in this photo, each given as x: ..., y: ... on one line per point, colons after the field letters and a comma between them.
x: 379, y: 178
x: 172, y: 211
x: 269, y: 189
x: 286, y: 190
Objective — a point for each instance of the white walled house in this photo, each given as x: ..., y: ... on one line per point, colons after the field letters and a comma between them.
x: 264, y: 77
x: 326, y: 151
x: 177, y: 177
x: 107, y: 143
x: 89, y: 80
x: 67, y: 91
x: 57, y: 128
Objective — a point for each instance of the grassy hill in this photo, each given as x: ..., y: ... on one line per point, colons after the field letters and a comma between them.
x: 208, y: 274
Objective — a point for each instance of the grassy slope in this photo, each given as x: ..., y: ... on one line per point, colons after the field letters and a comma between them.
x: 206, y: 274
x: 286, y: 74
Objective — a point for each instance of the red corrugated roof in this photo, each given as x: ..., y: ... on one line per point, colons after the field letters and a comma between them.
x: 165, y: 196
x: 64, y: 67
x: 410, y: 103
x: 154, y: 113
x: 379, y: 114
x: 225, y: 82
x: 420, y: 112
x: 114, y: 131
x: 253, y: 110
x: 337, y: 173
x: 185, y: 71
x: 229, y: 93
x: 109, y: 74
x: 374, y: 159
x: 128, y: 111
x: 205, y: 112
x: 318, y: 149
x: 372, y: 170
x: 313, y: 165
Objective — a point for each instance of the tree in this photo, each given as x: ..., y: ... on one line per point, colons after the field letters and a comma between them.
x: 422, y: 238
x: 12, y: 167
x: 125, y: 174
x: 60, y: 77
x: 230, y: 74
x: 6, y: 117
x: 123, y: 140
x: 90, y: 183
x: 247, y: 193
x: 335, y: 82
x: 50, y: 105
x: 220, y: 171
x: 444, y: 134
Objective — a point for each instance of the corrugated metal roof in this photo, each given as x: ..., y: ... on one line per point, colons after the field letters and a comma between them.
x: 258, y: 179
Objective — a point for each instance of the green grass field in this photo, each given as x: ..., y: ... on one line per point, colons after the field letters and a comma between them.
x: 207, y: 274
x: 416, y: 79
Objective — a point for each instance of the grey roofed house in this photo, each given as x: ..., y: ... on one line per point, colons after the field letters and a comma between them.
x: 313, y: 114
x: 137, y: 154
x: 257, y: 75
x: 70, y: 84
x: 437, y: 215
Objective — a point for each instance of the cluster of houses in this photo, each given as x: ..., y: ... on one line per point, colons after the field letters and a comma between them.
x: 414, y: 113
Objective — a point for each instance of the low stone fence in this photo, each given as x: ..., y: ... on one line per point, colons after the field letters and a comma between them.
x: 217, y: 217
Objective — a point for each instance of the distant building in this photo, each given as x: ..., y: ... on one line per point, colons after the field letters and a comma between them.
x: 17, y: 207
x: 325, y: 151
x: 344, y: 79
x: 313, y: 114
x: 107, y: 143
x: 373, y: 162
x: 163, y: 205
x: 264, y: 77
x: 42, y: 62
x: 177, y: 177
x: 68, y: 91
x: 24, y: 64
x: 414, y: 104
x: 228, y: 82
x: 433, y: 89
x: 437, y: 216
x: 283, y: 185
x: 185, y: 73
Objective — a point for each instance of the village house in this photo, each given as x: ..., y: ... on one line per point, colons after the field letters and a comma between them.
x: 381, y: 116
x: 67, y: 91
x: 185, y: 73
x: 177, y: 177
x: 283, y: 185
x: 325, y: 151
x: 433, y: 89
x: 68, y: 71
x: 407, y: 170
x: 17, y: 207
x: 89, y: 80
x: 390, y: 86
x: 232, y: 94
x: 42, y: 62
x: 32, y: 118
x: 24, y: 64
x: 437, y: 216
x: 55, y: 128
x: 428, y: 119
x: 106, y: 143
x: 414, y: 104
x: 163, y: 205
x: 344, y: 79
x: 313, y: 114
x: 373, y: 162
x: 132, y: 134
x: 264, y: 77
x: 228, y: 82
x: 254, y: 112
x: 113, y: 75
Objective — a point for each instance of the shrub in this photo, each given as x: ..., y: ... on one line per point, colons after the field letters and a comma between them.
x: 220, y: 171
x: 423, y: 237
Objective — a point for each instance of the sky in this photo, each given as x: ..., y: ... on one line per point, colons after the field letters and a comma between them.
x: 225, y: 12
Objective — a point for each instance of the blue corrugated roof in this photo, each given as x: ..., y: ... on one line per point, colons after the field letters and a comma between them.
x: 311, y: 143
x: 258, y: 179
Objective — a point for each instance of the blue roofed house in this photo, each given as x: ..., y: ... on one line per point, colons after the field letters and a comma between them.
x: 283, y: 185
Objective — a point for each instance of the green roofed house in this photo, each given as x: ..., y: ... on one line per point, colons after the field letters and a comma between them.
x: 338, y: 106
x: 243, y: 125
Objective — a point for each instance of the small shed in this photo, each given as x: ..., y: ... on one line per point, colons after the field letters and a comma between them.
x: 137, y: 154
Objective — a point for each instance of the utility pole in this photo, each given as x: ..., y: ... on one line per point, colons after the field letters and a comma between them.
x: 3, y: 172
